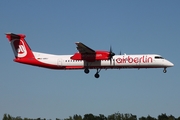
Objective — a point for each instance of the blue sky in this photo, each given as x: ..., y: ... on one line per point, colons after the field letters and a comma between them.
x: 133, y: 27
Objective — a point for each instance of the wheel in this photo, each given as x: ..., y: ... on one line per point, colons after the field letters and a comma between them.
x: 164, y: 70
x: 86, y: 70
x: 96, y: 75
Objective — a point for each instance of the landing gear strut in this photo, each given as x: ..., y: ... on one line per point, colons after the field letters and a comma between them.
x: 97, y: 73
x: 86, y: 70
x: 164, y: 70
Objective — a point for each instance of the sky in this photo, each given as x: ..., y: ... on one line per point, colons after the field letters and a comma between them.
x: 132, y: 27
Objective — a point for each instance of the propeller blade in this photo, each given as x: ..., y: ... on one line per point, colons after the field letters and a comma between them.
x: 110, y: 61
x: 110, y: 49
x: 111, y: 54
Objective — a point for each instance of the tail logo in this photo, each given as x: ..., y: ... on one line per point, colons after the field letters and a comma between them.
x: 19, y: 48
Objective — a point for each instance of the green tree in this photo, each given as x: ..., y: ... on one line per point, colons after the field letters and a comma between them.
x: 18, y: 118
x: 129, y: 117
x: 102, y: 117
x: 178, y: 118
x: 9, y: 117
x: 89, y: 117
x: 5, y: 117
x: 150, y: 118
x: 111, y: 117
x: 163, y: 117
x: 115, y: 116
x: 77, y: 117
x: 171, y: 117
x: 142, y: 118
x: 70, y: 118
x: 26, y: 119
x: 147, y: 118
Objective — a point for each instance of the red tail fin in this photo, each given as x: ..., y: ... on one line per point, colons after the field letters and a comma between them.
x: 20, y: 47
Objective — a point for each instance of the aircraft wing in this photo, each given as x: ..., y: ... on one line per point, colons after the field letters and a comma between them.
x: 83, y: 48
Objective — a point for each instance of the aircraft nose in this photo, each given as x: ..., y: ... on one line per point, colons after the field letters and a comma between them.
x: 170, y: 64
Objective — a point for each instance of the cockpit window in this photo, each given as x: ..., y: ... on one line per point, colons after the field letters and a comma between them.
x: 158, y: 57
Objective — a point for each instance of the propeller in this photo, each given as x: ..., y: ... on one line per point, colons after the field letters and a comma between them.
x: 120, y: 53
x: 111, y: 54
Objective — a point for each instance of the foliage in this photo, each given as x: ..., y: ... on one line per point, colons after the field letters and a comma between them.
x: 115, y: 116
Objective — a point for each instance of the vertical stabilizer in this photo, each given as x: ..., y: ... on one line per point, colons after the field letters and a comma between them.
x: 21, y: 49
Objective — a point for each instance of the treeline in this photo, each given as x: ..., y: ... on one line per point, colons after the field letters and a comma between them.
x: 115, y: 116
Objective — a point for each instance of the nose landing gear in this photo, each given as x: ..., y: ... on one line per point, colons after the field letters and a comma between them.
x: 164, y: 70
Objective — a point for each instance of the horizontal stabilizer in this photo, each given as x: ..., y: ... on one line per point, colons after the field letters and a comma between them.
x: 12, y: 36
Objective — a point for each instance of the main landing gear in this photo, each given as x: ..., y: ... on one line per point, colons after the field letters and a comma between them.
x: 86, y: 70
x: 97, y: 73
x: 164, y: 71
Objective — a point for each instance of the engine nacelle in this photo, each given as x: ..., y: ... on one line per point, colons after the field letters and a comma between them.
x: 98, y: 55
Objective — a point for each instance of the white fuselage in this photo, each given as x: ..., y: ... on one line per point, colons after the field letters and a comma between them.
x: 118, y: 61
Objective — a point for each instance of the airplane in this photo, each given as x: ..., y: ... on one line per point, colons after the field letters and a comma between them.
x: 86, y: 58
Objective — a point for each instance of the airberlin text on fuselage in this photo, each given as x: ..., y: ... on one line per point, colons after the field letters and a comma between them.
x: 129, y: 59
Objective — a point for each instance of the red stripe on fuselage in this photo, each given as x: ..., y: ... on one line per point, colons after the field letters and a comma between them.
x: 34, y: 62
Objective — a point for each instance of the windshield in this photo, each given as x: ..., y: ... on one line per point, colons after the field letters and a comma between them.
x: 158, y: 57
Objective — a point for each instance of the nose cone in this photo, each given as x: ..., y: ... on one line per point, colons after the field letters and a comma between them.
x: 169, y: 64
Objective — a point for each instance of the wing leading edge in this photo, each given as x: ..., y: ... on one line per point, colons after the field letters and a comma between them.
x: 84, y: 49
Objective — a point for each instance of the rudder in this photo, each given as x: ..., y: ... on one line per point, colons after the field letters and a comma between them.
x: 19, y: 46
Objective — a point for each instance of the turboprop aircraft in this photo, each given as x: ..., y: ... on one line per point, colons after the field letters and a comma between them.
x: 86, y: 58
